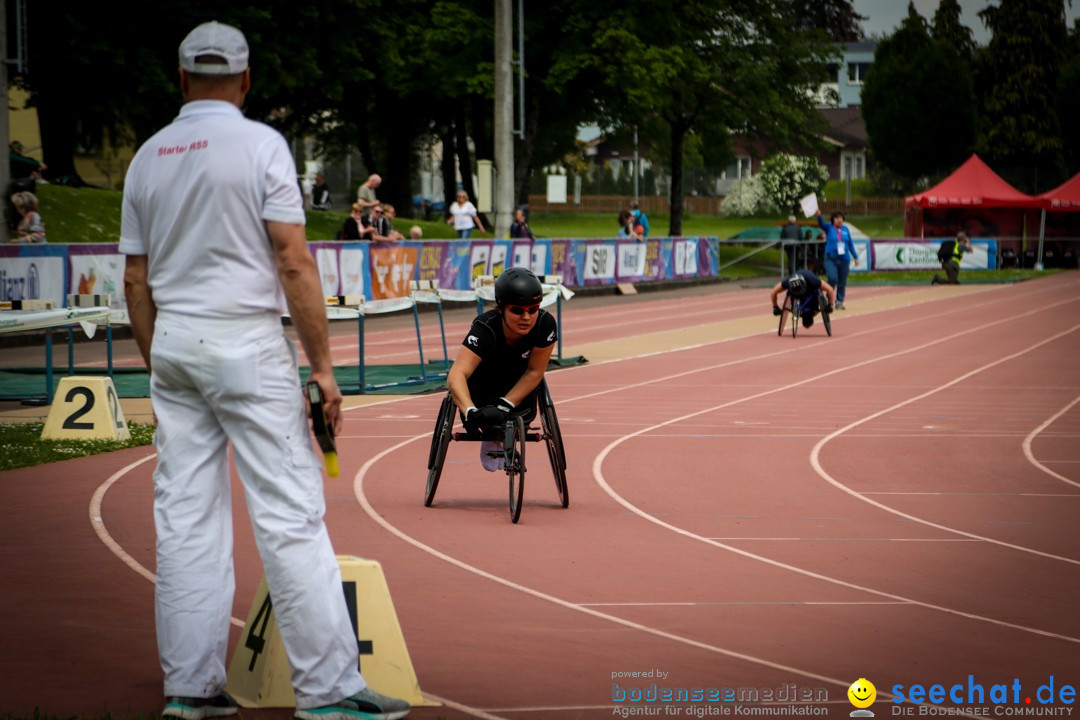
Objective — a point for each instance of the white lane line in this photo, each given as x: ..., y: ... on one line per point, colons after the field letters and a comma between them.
x: 598, y: 476
x: 815, y: 454
x: 358, y: 489
x: 1031, y: 456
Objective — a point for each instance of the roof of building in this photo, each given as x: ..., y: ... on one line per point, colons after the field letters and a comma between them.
x: 846, y: 126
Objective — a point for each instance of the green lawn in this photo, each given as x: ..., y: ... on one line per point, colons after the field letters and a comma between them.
x: 21, y: 445
x: 89, y: 215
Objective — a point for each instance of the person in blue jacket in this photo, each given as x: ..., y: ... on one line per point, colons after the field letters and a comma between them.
x: 839, y: 252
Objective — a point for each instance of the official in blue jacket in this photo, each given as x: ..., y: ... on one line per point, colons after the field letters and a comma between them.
x: 839, y: 252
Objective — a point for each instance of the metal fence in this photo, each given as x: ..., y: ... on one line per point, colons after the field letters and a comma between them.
x: 702, y: 205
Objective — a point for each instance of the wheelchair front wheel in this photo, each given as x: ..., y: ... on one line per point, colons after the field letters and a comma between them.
x: 514, y: 447
x: 795, y: 306
x: 440, y: 440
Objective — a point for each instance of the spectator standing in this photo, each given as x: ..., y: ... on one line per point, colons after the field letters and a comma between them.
x: 789, y: 235
x: 520, y: 227
x: 952, y: 265
x: 366, y: 194
x: 31, y: 227
x: 320, y: 194
x: 839, y: 254
x: 463, y: 216
x: 639, y: 218
x: 213, y: 230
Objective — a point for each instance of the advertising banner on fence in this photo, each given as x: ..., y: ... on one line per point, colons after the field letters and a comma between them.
x: 479, y: 261
x: 599, y: 262
x: 97, y: 270
x: 33, y: 273
x: 922, y: 255
x: 392, y: 268
x: 632, y: 261
x: 326, y: 258
x: 353, y: 268
x: 567, y: 257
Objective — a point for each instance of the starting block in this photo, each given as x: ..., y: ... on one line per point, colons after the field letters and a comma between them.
x: 260, y: 675
x: 85, y: 408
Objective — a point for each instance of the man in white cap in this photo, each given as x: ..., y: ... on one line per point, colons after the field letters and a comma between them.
x: 213, y: 230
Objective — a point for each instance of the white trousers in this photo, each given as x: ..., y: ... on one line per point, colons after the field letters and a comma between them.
x: 216, y: 382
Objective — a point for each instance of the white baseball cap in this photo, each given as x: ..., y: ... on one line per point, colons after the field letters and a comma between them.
x: 219, y: 40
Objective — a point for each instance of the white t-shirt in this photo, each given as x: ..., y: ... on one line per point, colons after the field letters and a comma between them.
x: 463, y: 215
x: 197, y: 198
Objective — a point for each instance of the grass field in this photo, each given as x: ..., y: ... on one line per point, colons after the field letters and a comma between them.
x: 91, y: 215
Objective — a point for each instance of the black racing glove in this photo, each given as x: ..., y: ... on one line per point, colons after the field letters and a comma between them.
x: 505, y: 405
x: 776, y: 310
x: 491, y: 416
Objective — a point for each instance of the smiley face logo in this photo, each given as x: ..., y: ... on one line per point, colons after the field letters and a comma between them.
x: 862, y: 693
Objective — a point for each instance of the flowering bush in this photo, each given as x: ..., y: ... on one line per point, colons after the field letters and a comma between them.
x: 785, y: 179
x: 746, y: 197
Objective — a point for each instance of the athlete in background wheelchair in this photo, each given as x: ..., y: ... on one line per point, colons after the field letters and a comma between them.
x: 807, y: 295
x: 497, y: 387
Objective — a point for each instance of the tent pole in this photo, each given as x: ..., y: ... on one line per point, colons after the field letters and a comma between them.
x: 1042, y: 232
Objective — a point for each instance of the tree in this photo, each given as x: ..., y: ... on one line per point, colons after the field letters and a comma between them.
x: 948, y: 29
x: 787, y: 178
x: 918, y: 103
x: 836, y: 18
x: 1019, y: 71
x: 710, y: 68
x: 1068, y: 101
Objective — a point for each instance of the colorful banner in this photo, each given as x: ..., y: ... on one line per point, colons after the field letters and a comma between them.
x: 34, y: 272
x: 326, y: 258
x: 599, y: 266
x: 566, y: 259
x: 922, y: 255
x: 353, y: 268
x: 392, y: 268
x: 97, y: 270
x: 632, y: 259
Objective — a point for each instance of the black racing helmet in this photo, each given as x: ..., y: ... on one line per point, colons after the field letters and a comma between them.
x: 796, y: 284
x: 518, y: 286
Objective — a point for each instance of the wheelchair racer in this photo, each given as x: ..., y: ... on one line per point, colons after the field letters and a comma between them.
x: 502, y: 359
x: 804, y: 285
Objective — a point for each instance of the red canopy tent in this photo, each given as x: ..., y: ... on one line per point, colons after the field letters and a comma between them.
x: 974, y: 199
x: 1060, y: 219
x: 1063, y: 198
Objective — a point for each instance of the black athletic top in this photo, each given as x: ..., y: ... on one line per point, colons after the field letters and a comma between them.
x: 813, y: 283
x: 502, y: 365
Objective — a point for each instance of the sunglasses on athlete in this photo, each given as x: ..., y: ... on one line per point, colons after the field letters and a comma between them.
x: 519, y: 310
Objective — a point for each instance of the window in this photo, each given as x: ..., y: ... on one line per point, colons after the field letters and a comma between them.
x: 738, y: 169
x: 852, y: 165
x: 856, y: 72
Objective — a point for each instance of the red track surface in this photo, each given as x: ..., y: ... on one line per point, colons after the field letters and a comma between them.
x: 898, y: 502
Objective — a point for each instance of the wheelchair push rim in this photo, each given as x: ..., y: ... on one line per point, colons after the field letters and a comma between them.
x: 553, y: 439
x: 440, y: 440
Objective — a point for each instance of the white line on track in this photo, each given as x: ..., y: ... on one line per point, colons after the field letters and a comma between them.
x: 815, y: 454
x: 1031, y: 456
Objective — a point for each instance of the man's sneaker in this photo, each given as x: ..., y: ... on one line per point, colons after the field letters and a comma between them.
x: 364, y: 705
x: 492, y: 456
x: 935, y: 281
x: 189, y: 708
x: 839, y: 306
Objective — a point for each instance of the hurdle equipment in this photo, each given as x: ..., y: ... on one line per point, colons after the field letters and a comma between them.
x: 259, y: 673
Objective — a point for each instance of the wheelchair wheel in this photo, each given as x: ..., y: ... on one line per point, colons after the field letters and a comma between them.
x: 514, y: 447
x: 440, y: 440
x: 824, y: 305
x: 553, y: 439
x: 795, y: 307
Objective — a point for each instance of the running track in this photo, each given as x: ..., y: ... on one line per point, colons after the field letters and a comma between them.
x: 898, y: 502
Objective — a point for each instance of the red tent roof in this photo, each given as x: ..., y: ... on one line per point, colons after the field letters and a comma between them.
x: 973, y: 184
x: 1063, y: 198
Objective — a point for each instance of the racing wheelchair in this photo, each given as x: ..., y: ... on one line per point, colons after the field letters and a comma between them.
x: 518, y: 430
x: 794, y: 308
